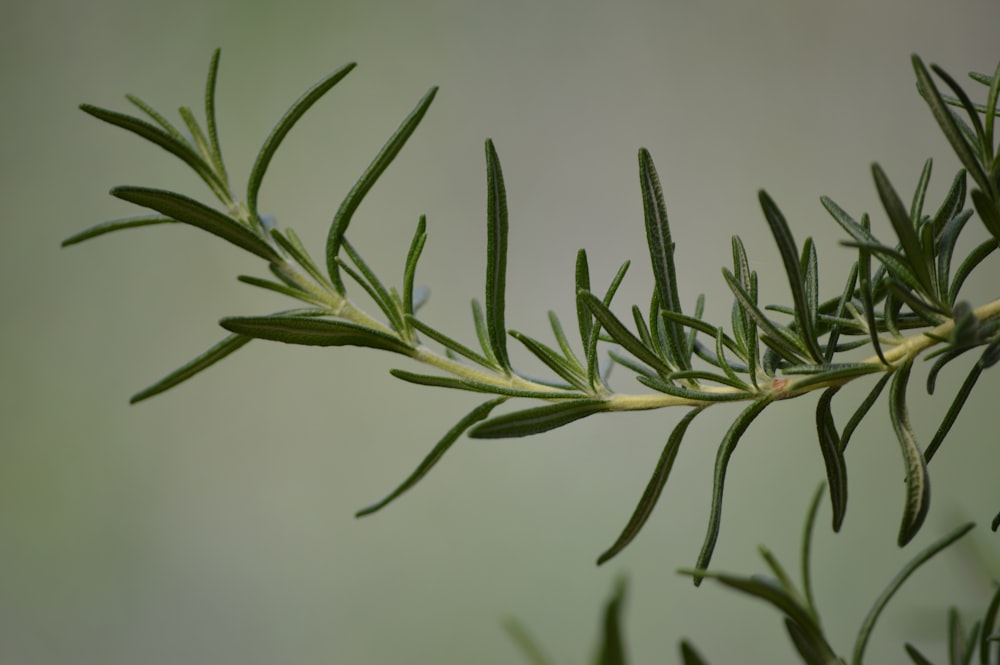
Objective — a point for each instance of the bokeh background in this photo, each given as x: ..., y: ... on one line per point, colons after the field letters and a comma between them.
x: 214, y: 523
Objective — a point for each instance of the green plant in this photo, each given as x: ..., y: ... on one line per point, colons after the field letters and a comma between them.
x: 901, y: 300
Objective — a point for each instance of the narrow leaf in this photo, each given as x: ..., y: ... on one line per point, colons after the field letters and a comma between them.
x: 538, y: 419
x: 917, y: 204
x: 653, y: 489
x: 780, y: 339
x: 496, y: 256
x: 612, y: 649
x: 213, y: 130
x: 862, y: 411
x: 918, y: 491
x: 726, y: 448
x: 621, y: 334
x: 161, y: 138
x: 974, y: 258
x: 553, y: 360
x: 833, y: 456
x: 690, y: 655
x: 956, y: 407
x: 450, y: 343
x: 807, y: 535
x: 116, y: 225
x: 460, y: 383
x: 281, y: 129
x: 583, y: 315
x: 904, y: 228
x: 192, y: 367
x: 869, y: 623
x: 410, y: 268
x: 476, y: 415
x: 988, y: 212
x: 198, y: 215
x: 314, y: 332
x: 790, y: 257
x: 948, y: 125
x: 661, y: 254
x: 917, y: 657
x: 345, y: 213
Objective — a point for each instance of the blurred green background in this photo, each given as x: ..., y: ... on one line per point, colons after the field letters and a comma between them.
x: 214, y: 524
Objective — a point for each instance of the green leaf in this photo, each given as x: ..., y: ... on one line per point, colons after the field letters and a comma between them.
x: 116, y: 225
x: 918, y: 491
x: 291, y: 244
x: 780, y: 339
x: 554, y: 361
x: 834, y: 374
x: 661, y: 254
x: 285, y: 124
x: 161, y: 138
x: 833, y: 456
x: 345, y: 213
x: 593, y: 373
x: 314, y: 332
x: 653, y: 489
x: 869, y: 622
x: 988, y: 212
x: 989, y: 621
x: 479, y: 321
x: 769, y: 591
x: 917, y: 657
x: 450, y: 343
x: 478, y: 414
x: 192, y: 367
x: 621, y: 334
x: 862, y: 411
x: 835, y: 328
x: 198, y: 215
x: 158, y: 118
x: 564, y: 345
x: 283, y: 289
x: 583, y: 315
x: 459, y: 383
x: 410, y: 269
x: 790, y: 257
x: 807, y: 534
x: 917, y: 205
x: 213, y: 130
x: 806, y: 649
x: 690, y: 655
x: 974, y: 258
x: 496, y: 256
x: 991, y: 107
x: 691, y: 394
x: 374, y: 286
x: 946, y: 250
x: 537, y: 420
x: 905, y: 231
x: 956, y: 406
x: 964, y: 101
x: 612, y: 649
x: 946, y: 121
x: 726, y: 448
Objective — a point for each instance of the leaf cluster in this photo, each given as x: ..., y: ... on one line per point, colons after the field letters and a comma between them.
x: 901, y: 300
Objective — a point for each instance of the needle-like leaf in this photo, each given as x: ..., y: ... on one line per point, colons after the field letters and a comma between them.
x: 161, y: 138
x: 410, y: 268
x: 478, y: 414
x: 946, y: 121
x: 311, y: 331
x: 537, y: 420
x: 726, y: 448
x: 213, y: 128
x: 653, y: 489
x: 869, y: 623
x: 804, y: 313
x: 918, y: 491
x: 904, y: 228
x: 661, y: 253
x: 621, y: 334
x: 199, y: 215
x: 833, y: 456
x: 116, y: 225
x: 281, y: 129
x: 496, y: 257
x: 344, y: 214
x: 192, y: 367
